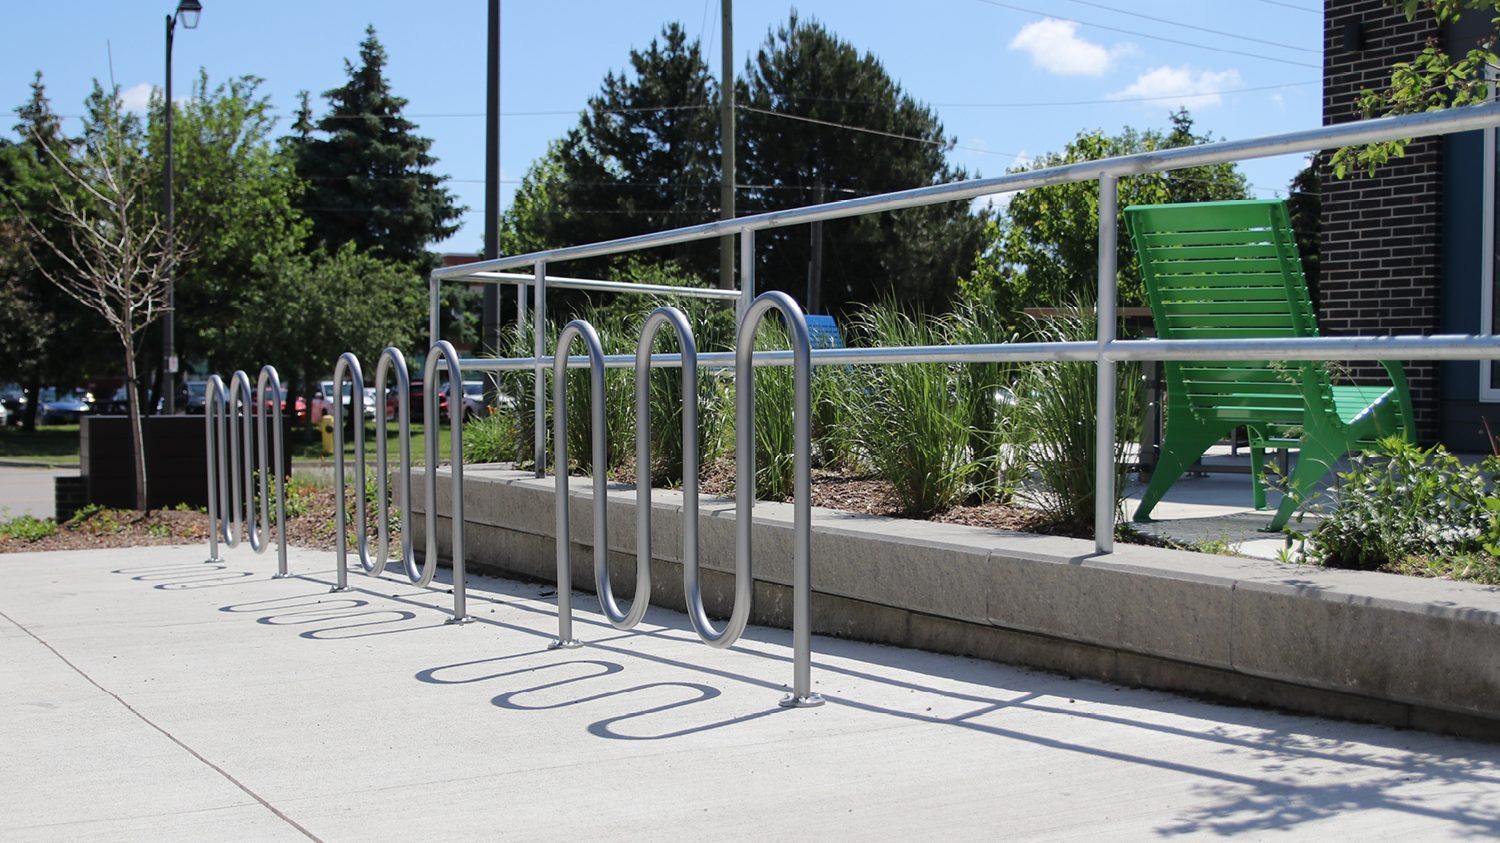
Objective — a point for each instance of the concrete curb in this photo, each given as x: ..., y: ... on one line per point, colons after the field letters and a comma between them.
x: 1400, y: 651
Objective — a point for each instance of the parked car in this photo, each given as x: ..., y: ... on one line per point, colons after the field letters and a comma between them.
x: 414, y: 401
x: 322, y: 404
x: 473, y: 400
x: 194, y: 394
x: 14, y: 399
x: 119, y: 404
x: 59, y: 407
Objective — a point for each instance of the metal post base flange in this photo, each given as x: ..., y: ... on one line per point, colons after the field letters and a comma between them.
x: 459, y: 620
x: 281, y: 576
x: 338, y: 588
x: 794, y: 701
x: 569, y: 644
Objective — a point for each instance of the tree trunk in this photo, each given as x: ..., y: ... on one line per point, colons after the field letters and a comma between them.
x: 33, y: 403
x: 137, y: 441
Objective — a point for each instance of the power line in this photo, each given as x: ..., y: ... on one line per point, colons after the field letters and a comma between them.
x: 1194, y: 27
x: 929, y: 141
x: 1162, y: 38
x: 1160, y: 97
x: 1318, y: 12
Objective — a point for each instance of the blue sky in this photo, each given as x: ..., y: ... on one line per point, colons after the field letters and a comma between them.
x: 1009, y: 78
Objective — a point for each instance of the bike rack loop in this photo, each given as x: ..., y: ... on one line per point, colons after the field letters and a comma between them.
x: 392, y: 357
x: 214, y: 399
x: 444, y: 351
x: 241, y: 400
x: 348, y: 366
x: 580, y: 329
x: 270, y: 379
x: 744, y: 486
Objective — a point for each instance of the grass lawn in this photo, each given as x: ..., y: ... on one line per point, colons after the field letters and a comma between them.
x: 47, y: 445
x: 313, y: 451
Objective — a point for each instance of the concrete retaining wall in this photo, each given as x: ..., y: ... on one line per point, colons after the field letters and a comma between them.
x: 1396, y: 650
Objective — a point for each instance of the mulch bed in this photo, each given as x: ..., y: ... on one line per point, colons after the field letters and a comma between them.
x: 315, y: 528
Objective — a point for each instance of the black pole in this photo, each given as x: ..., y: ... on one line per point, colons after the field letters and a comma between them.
x: 490, y: 326
x: 169, y: 327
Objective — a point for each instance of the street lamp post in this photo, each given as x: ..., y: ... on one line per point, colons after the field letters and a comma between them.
x: 188, y: 11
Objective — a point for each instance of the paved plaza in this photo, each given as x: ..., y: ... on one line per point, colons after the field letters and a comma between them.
x: 149, y: 695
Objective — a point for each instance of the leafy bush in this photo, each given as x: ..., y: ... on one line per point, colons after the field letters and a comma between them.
x: 28, y: 528
x: 1057, y: 406
x: 1402, y: 502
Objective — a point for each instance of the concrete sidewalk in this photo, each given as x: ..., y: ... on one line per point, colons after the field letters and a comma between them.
x: 149, y: 695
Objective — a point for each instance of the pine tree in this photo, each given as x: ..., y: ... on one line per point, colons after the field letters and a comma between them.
x: 643, y: 157
x: 369, y: 174
x: 824, y: 122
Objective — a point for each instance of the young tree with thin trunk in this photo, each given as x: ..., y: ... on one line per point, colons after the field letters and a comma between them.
x: 114, y: 257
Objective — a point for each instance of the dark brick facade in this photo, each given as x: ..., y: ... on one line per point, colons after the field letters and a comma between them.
x: 1382, y: 250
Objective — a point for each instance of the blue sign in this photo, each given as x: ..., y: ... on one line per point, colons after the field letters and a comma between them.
x: 824, y: 332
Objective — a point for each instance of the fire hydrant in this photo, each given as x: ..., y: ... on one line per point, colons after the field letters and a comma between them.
x: 325, y: 425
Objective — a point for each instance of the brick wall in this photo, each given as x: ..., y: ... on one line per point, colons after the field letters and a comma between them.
x: 1382, y: 235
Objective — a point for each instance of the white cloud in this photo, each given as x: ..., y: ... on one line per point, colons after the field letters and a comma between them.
x: 1181, y: 86
x: 1278, y: 101
x: 1055, y: 47
x: 992, y: 202
x: 137, y: 98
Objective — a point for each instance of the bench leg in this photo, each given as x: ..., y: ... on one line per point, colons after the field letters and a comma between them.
x: 1314, y: 460
x: 1183, y: 446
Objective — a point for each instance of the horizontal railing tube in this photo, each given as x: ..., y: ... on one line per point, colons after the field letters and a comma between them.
x: 1467, y: 118
x: 600, y: 286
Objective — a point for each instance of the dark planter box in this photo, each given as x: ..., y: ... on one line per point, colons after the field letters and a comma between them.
x: 176, y: 470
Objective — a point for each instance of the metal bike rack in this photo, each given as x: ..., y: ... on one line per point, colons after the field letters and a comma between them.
x: 348, y: 367
x: 392, y: 357
x: 744, y: 485
x: 234, y: 419
x: 270, y: 380
x: 579, y: 329
x: 443, y: 351
x: 215, y: 398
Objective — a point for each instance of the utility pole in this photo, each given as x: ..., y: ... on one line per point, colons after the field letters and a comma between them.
x: 490, y: 320
x: 815, y: 260
x: 726, y: 133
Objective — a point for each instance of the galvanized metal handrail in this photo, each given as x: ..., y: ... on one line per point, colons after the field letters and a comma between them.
x: 1481, y: 116
x: 392, y: 358
x: 443, y: 352
x: 581, y: 330
x: 348, y: 367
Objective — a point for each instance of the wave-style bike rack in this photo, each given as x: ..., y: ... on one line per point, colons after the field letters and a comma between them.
x: 801, y: 695
x: 234, y: 422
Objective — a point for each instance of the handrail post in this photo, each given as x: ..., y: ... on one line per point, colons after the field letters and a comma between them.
x: 747, y: 274
x: 1104, y: 432
x: 538, y: 388
x: 431, y: 426
x: 433, y: 304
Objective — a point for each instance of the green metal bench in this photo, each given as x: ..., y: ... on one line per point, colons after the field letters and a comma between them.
x: 1229, y: 270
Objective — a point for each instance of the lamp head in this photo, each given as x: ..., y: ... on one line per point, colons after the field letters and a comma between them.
x: 188, y: 12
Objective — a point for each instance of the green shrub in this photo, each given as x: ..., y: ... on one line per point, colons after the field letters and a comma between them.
x: 1057, y: 407
x: 28, y: 528
x: 997, y: 442
x: 1402, y: 502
